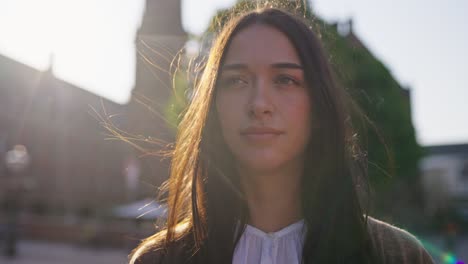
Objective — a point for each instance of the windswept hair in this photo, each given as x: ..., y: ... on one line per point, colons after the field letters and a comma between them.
x: 205, y: 200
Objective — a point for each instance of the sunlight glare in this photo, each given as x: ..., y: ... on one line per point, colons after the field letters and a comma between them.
x: 89, y: 46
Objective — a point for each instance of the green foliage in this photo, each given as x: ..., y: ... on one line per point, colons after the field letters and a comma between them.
x: 299, y: 7
x: 178, y: 101
x: 383, y: 100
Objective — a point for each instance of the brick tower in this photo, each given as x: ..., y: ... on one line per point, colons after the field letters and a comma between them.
x: 159, y: 39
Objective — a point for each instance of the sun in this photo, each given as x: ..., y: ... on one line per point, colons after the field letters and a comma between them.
x: 91, y: 42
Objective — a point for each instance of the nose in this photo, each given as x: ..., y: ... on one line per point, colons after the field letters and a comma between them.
x: 260, y: 104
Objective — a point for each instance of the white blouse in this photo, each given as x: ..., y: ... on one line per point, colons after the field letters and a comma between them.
x: 281, y: 247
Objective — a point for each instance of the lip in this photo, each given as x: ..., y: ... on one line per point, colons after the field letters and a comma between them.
x: 260, y: 131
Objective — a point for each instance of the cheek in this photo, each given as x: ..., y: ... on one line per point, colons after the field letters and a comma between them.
x: 299, y: 116
x: 227, y: 115
x: 222, y: 111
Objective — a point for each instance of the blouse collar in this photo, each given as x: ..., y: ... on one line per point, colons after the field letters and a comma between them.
x: 290, y: 229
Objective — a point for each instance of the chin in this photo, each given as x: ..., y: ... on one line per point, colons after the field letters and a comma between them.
x: 259, y: 164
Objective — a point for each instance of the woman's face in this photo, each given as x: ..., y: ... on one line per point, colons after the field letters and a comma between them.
x: 262, y: 100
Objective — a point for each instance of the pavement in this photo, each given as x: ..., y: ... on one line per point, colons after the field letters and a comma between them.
x: 39, y: 252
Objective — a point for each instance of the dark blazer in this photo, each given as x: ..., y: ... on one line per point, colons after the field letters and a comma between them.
x: 393, y: 246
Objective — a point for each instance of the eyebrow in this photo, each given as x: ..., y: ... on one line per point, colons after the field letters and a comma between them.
x: 281, y: 65
x: 287, y: 65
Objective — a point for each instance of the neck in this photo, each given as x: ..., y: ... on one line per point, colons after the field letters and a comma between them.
x: 273, y: 198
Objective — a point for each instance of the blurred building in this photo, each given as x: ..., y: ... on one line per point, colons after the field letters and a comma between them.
x: 445, y: 178
x: 71, y: 165
x: 74, y: 170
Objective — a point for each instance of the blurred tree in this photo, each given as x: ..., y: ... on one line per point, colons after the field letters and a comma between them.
x: 178, y: 100
x: 389, y: 136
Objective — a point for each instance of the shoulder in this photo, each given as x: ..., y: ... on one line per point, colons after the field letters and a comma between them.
x: 173, y: 255
x: 395, y: 245
x: 176, y: 252
x: 150, y: 256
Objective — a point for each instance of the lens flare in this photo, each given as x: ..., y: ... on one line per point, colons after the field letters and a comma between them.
x: 444, y: 256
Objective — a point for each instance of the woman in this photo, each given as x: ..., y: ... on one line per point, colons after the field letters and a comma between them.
x: 265, y: 166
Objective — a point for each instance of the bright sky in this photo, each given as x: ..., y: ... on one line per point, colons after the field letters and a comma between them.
x: 423, y: 43
x: 92, y: 44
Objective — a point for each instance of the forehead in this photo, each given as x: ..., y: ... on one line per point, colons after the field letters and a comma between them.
x: 261, y: 44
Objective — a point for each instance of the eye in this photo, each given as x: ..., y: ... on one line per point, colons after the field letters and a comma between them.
x: 233, y: 81
x: 286, y: 80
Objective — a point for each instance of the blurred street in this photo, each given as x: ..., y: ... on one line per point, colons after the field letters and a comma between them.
x: 38, y: 252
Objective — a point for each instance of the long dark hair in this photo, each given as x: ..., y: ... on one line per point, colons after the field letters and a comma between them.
x: 205, y: 201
